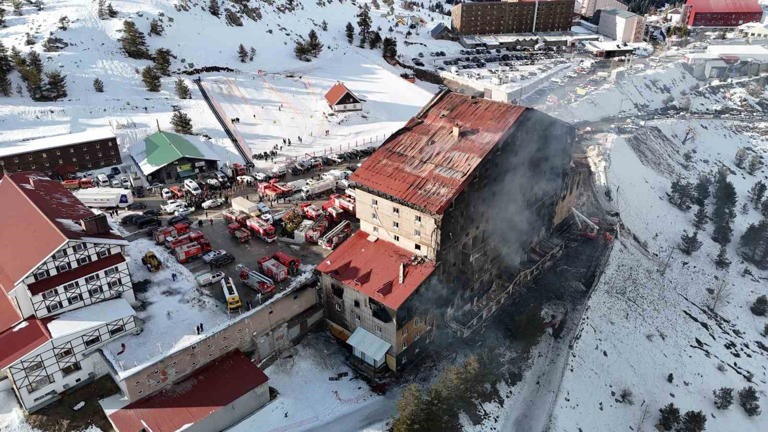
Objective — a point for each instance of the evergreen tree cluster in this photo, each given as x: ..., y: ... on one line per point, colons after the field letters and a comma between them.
x: 749, y: 401
x: 723, y: 212
x: 681, y: 194
x: 182, y: 89
x: 181, y: 123
x: 364, y: 24
x: 105, y: 10
x: 308, y: 48
x: 6, y: 67
x: 691, y: 421
x: 41, y: 86
x: 133, y: 41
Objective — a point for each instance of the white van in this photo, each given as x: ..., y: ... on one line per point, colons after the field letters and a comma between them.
x: 102, y: 180
x: 192, y: 187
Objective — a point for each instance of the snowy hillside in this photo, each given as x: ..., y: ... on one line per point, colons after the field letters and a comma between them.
x: 198, y: 39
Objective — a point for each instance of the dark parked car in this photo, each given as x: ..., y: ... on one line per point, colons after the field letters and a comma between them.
x: 137, y: 206
x: 152, y: 212
x: 130, y: 219
x: 176, y: 219
x: 222, y: 260
x: 146, y: 222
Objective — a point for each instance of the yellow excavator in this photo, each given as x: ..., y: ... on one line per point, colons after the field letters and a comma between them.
x: 151, y: 261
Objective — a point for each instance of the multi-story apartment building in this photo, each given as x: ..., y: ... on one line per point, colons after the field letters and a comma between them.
x: 62, y: 154
x: 448, y: 205
x: 621, y: 25
x: 56, y: 258
x: 519, y: 16
x: 588, y: 8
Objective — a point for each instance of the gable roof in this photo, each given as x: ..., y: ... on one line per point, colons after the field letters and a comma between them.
x: 187, y: 402
x: 163, y: 148
x: 9, y: 316
x: 337, y: 92
x: 424, y: 163
x: 20, y: 340
x: 373, y: 268
x: 39, y: 215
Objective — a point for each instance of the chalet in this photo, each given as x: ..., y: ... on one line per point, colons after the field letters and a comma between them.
x: 171, y: 157
x: 426, y: 197
x: 65, y: 288
x: 341, y: 99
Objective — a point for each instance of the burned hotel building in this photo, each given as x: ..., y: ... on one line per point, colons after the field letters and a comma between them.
x: 455, y: 211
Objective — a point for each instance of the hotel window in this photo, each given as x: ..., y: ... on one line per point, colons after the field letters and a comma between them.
x: 78, y: 247
x: 114, y: 283
x: 92, y: 341
x: 44, y: 155
x: 95, y: 291
x: 395, y: 224
x: 417, y: 219
x: 77, y: 298
x: 397, y: 237
x: 47, y: 295
x: 417, y: 233
x: 83, y: 260
x: 91, y: 279
x: 374, y: 203
x: 417, y: 246
x: 116, y: 330
x: 71, y: 150
x: 53, y: 307
x: 103, y: 253
x: 395, y: 211
x: 41, y: 275
x: 68, y: 370
x: 375, y: 230
x: 33, y: 367
x: 63, y: 267
x: 39, y: 383
x: 374, y: 216
x: 111, y: 271
x: 71, y: 286
x: 58, y: 152
x: 66, y: 352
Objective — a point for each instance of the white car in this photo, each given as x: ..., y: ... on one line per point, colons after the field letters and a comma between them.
x: 209, y: 278
x: 213, y: 182
x: 245, y: 179
x: 213, y: 203
x: 166, y: 194
x: 192, y: 187
x: 173, y: 206
x: 208, y: 256
x: 125, y: 182
x: 260, y: 176
x: 115, y: 182
x: 183, y: 211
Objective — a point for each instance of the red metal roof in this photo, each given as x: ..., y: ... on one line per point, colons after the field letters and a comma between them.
x: 74, y: 274
x: 187, y: 402
x: 337, y: 92
x: 724, y: 6
x: 424, y: 163
x: 38, y: 216
x: 373, y: 268
x: 9, y: 316
x: 21, y: 339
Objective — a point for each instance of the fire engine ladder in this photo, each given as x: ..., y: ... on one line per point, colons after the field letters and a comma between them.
x: 332, y: 233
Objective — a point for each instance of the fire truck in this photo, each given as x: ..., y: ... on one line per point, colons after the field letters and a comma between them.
x: 192, y: 236
x: 317, y: 230
x: 161, y: 234
x: 344, y: 202
x: 240, y: 234
x: 274, y: 189
x: 291, y: 262
x: 83, y: 183
x: 262, y: 229
x: 238, y: 169
x: 273, y: 269
x: 311, y: 211
x: 188, y: 251
x: 235, y: 216
x: 255, y: 280
x: 336, y: 236
x: 335, y: 214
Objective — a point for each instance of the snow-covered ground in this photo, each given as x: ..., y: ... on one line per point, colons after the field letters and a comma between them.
x: 309, y: 400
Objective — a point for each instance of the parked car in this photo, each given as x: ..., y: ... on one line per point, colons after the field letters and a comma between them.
x: 176, y: 219
x: 263, y: 208
x: 152, y: 212
x: 183, y: 211
x: 212, y: 203
x: 115, y: 182
x: 172, y: 206
x: 260, y: 176
x: 125, y: 182
x: 213, y: 182
x: 136, y: 206
x: 166, y: 194
x: 222, y: 260
x: 245, y: 179
x: 146, y: 222
x: 208, y: 256
x: 206, y: 279
x: 192, y: 186
x: 130, y: 219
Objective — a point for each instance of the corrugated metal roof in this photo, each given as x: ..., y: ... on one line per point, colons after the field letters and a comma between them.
x: 187, y: 402
x: 725, y: 6
x: 163, y: 148
x: 425, y: 163
x: 39, y: 215
x: 373, y: 268
x: 337, y: 92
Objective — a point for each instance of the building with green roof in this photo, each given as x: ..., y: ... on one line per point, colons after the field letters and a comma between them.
x: 169, y: 157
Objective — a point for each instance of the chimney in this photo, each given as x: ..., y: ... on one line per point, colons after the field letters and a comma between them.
x: 456, y: 131
x: 96, y: 224
x: 402, y: 273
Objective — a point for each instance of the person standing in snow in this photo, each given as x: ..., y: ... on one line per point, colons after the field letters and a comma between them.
x: 173, y: 276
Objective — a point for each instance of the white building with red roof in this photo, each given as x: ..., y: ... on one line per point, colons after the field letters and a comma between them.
x: 56, y: 258
x: 468, y: 184
x: 341, y: 99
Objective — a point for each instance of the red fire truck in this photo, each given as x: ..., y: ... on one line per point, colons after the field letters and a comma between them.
x: 262, y: 229
x: 192, y: 236
x: 336, y: 236
x: 161, y: 234
x: 255, y: 280
x: 188, y: 251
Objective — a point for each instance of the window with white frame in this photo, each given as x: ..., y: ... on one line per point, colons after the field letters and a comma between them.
x: 71, y: 286
x: 92, y: 341
x: 33, y: 367
x: 60, y: 254
x: 83, y: 260
x: 47, y: 295
x: 111, y: 271
x: 53, y: 307
x: 375, y: 230
x: 417, y: 219
x: 395, y: 211
x: 114, y: 283
x: 374, y: 203
x: 63, y: 353
x: 96, y: 291
x: 116, y: 330
x: 63, y: 267
x: 39, y: 383
x: 103, y: 253
x: 91, y: 279
x: 78, y: 247
x: 374, y: 216
x: 71, y: 368
x: 77, y: 298
x: 41, y: 275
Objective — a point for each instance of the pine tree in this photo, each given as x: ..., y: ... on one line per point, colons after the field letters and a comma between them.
x: 301, y: 50
x: 111, y: 12
x: 722, y: 262
x: 693, y: 421
x: 98, y: 85
x: 723, y: 212
x: 741, y: 157
x: 681, y: 194
x: 748, y: 400
x: 151, y: 79
x: 181, y: 123
x: 56, y: 85
x: 213, y: 8
x: 6, y: 63
x: 156, y: 28
x: 764, y: 208
x: 755, y: 163
x: 314, y: 46
x: 689, y: 243
x: 670, y: 416
x: 18, y: 60
x: 242, y: 53
x: 324, y: 25
x: 723, y: 233
x: 5, y: 86
x: 163, y: 61
x: 702, y: 190
x: 375, y: 40
x: 2, y: 17
x: 389, y: 48
x: 753, y: 244
x: 700, y: 218
x: 759, y: 308
x: 364, y: 24
x: 756, y: 193
x: 350, y: 32
x: 410, y: 410
x: 34, y: 62
x: 723, y: 397
x: 101, y: 11
x: 182, y: 90
x: 133, y: 41
x: 251, y: 54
